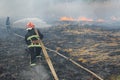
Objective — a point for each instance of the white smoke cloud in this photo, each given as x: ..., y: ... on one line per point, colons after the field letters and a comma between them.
x: 53, y: 9
x: 38, y: 72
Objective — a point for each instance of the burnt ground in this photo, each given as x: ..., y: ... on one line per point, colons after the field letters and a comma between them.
x: 95, y: 48
x: 14, y: 63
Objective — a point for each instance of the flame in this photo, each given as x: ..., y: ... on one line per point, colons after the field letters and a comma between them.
x: 100, y: 20
x: 66, y: 18
x: 72, y: 19
x: 84, y: 19
x: 114, y: 18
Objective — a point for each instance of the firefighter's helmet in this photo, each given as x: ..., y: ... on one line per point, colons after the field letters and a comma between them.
x: 30, y: 25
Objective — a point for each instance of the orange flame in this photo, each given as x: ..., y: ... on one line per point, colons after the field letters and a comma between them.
x: 66, y: 18
x: 100, y: 20
x: 72, y: 19
x: 84, y: 19
x: 114, y: 18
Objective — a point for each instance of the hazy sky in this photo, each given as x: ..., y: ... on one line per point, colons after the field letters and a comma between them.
x: 53, y: 9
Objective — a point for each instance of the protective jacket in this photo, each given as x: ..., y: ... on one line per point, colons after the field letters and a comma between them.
x: 32, y: 39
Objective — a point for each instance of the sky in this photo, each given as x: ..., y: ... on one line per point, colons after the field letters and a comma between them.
x: 54, y: 9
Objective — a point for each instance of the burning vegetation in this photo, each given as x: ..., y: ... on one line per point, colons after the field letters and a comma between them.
x: 84, y: 31
x: 83, y: 18
x: 94, y: 47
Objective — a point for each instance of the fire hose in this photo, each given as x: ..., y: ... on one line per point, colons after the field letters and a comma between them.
x: 47, y: 58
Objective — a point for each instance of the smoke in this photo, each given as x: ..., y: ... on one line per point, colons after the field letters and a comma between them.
x: 106, y: 9
x: 54, y: 9
x: 36, y: 73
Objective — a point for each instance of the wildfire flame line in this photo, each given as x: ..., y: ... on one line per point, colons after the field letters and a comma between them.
x: 64, y: 18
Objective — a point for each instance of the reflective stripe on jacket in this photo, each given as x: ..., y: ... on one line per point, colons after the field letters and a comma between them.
x: 34, y: 43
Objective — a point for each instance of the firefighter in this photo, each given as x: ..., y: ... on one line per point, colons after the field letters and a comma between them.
x: 32, y: 40
x: 8, y: 24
